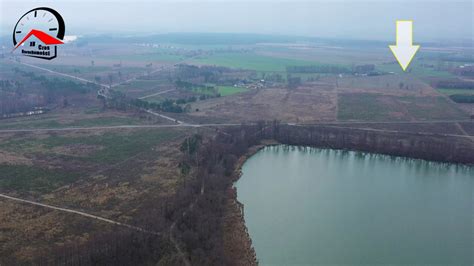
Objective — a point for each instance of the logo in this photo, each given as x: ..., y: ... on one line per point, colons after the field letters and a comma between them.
x: 38, y: 33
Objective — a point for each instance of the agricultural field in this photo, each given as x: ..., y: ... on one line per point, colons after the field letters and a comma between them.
x: 109, y: 156
x: 422, y: 68
x: 103, y: 74
x: 143, y: 87
x: 248, y: 60
x: 396, y: 84
x: 229, y: 90
x: 160, y: 57
x: 301, y: 105
x: 325, y: 54
x: 374, y: 107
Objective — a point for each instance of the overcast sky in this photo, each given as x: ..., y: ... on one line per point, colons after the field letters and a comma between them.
x: 354, y: 19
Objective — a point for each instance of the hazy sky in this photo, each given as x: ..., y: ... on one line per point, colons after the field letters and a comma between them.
x: 433, y: 20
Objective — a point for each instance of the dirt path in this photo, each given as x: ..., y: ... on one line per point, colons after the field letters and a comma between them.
x: 464, y: 131
x: 399, y: 132
x: 64, y: 75
x: 104, y: 91
x: 173, y: 226
x: 175, y: 242
x: 182, y: 124
x: 461, y: 128
x: 154, y: 94
x: 132, y: 227
x: 79, y: 213
x: 146, y: 74
x: 93, y: 82
x: 166, y: 117
x: 178, y: 123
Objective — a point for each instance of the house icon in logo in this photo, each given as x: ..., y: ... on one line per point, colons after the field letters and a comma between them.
x: 39, y: 44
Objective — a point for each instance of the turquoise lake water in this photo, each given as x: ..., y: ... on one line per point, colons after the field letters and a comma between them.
x: 307, y: 206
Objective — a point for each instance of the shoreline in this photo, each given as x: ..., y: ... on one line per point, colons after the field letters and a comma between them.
x: 238, y: 243
x: 237, y: 208
x: 250, y: 152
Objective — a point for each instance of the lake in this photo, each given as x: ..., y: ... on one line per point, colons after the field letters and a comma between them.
x: 321, y: 206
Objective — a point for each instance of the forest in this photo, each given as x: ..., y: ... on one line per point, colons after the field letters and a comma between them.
x: 208, y: 163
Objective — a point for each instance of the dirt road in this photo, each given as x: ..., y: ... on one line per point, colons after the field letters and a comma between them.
x: 154, y: 94
x: 79, y: 213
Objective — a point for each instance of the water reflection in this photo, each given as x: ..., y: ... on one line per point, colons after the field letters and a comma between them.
x: 306, y: 205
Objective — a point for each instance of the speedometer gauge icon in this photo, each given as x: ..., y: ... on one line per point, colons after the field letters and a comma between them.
x: 38, y: 32
x: 42, y: 19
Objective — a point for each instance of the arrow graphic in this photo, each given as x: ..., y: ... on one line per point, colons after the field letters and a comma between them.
x: 404, y: 50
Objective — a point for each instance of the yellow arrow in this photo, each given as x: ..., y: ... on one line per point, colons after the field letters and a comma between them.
x: 404, y: 50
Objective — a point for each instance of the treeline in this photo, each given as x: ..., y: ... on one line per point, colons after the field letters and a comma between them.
x: 191, y: 77
x: 209, y: 74
x: 428, y: 147
x: 332, y: 69
x: 14, y: 103
x: 454, y: 84
x: 10, y: 84
x: 457, y: 58
x: 168, y: 105
x: 293, y: 82
x: 16, y: 96
x: 209, y: 90
x: 57, y: 86
x: 212, y: 161
x: 190, y: 86
x: 118, y: 247
x: 120, y: 101
x: 206, y: 189
x: 462, y: 98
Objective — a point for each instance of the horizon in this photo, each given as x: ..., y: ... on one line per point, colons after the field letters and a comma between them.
x: 357, y: 20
